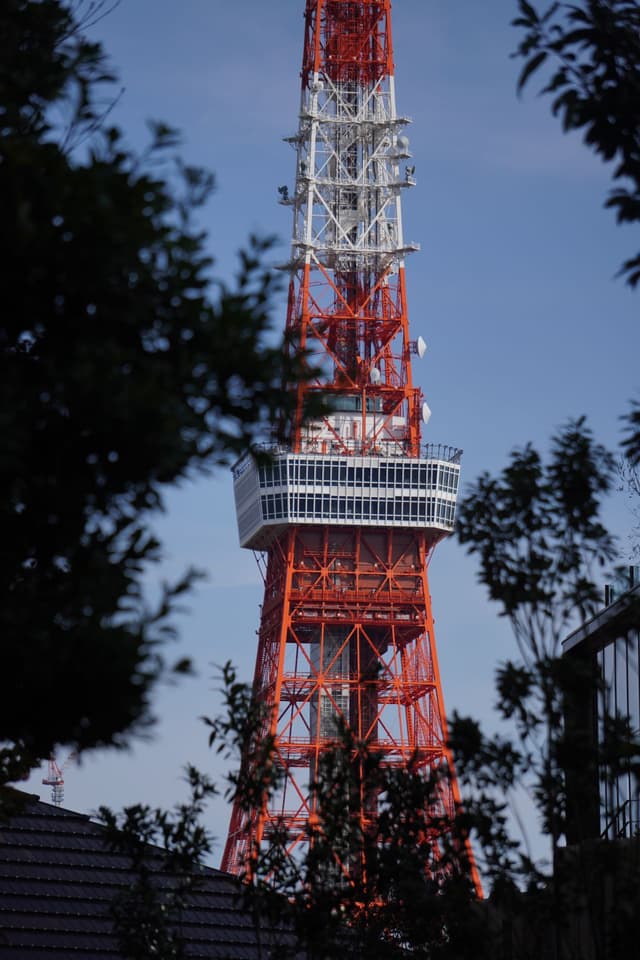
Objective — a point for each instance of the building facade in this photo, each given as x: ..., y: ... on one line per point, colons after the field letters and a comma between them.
x: 603, y: 796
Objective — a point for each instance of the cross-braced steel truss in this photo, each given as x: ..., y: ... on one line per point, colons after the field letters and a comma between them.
x: 346, y: 639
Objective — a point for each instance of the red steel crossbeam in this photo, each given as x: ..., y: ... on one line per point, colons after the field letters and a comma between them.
x: 348, y: 40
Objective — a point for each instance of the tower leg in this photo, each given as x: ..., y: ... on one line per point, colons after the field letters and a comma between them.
x: 346, y: 655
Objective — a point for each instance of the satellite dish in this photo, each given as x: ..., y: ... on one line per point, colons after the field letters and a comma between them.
x: 426, y: 412
x: 403, y: 143
x: 421, y: 347
x: 375, y: 376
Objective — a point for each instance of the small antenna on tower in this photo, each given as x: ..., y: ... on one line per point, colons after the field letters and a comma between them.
x: 418, y: 347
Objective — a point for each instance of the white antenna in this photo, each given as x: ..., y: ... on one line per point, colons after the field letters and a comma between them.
x: 419, y: 347
x: 426, y: 412
x: 403, y: 146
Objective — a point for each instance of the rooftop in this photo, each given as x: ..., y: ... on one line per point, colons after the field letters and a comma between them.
x: 59, y: 879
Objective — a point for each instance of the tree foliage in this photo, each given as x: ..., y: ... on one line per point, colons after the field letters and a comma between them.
x: 539, y: 537
x: 122, y: 371
x: 541, y: 543
x: 537, y: 531
x: 631, y: 442
x: 593, y: 50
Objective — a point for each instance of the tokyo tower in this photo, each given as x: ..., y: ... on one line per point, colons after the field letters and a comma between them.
x: 348, y: 513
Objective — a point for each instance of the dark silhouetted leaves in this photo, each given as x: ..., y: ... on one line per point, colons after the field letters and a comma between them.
x: 123, y: 369
x: 594, y: 82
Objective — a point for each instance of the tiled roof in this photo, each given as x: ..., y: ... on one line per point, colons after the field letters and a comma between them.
x: 58, y: 879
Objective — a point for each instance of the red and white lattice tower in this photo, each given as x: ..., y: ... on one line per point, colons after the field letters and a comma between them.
x: 349, y: 512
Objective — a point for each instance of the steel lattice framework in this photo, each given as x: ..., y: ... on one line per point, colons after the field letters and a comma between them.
x: 349, y: 512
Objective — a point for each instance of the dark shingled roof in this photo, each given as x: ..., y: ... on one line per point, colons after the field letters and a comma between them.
x: 58, y: 879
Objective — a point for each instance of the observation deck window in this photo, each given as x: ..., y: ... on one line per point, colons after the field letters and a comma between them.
x: 307, y: 488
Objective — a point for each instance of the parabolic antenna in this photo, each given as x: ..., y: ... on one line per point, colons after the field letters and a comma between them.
x: 426, y: 412
x: 421, y: 347
x: 375, y: 376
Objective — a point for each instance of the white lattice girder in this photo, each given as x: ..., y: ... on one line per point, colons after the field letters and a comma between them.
x: 346, y: 200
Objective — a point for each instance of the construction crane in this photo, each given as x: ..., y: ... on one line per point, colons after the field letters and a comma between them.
x: 55, y: 778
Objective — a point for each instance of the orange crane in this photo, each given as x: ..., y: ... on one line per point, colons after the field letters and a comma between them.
x: 55, y: 778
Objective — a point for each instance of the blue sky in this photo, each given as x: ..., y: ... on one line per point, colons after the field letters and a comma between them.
x: 514, y: 291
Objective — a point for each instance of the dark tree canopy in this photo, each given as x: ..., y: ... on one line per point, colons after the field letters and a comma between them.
x: 538, y: 534
x: 631, y: 442
x: 593, y: 49
x: 120, y: 374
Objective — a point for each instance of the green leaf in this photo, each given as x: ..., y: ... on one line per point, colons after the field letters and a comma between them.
x: 530, y: 68
x: 529, y: 12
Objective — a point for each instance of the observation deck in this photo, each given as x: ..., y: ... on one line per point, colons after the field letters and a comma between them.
x: 345, y: 491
